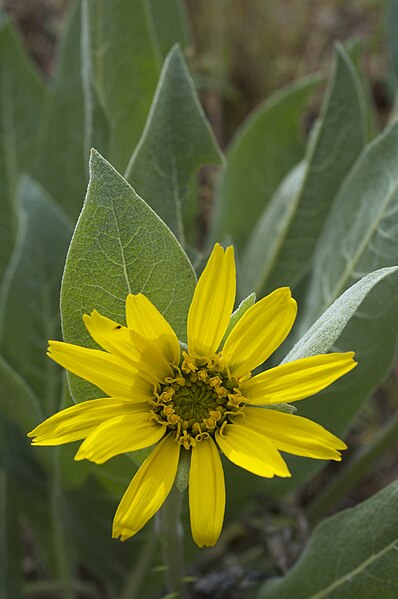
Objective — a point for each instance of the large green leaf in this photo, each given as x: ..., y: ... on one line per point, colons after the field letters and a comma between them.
x: 130, y: 42
x: 352, y: 554
x: 31, y: 289
x: 355, y: 49
x: 269, y: 233
x: 18, y: 128
x: 264, y: 149
x: 360, y: 235
x: 20, y: 413
x: 282, y: 257
x: 96, y: 130
x: 120, y: 246
x: 327, y: 329
x: 17, y: 399
x: 89, y: 511
x: 176, y: 142
x: 127, y: 63
x: 72, y: 121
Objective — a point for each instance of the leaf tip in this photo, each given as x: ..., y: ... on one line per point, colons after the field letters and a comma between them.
x: 176, y: 50
x: 94, y: 155
x: 97, y: 163
x: 341, y: 55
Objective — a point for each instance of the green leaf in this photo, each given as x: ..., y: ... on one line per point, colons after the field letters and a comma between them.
x: 263, y: 150
x: 176, y: 142
x: 352, y: 554
x: 127, y: 63
x: 269, y: 233
x: 270, y: 260
x: 182, y: 477
x: 372, y: 334
x: 120, y: 246
x: 72, y: 121
x: 287, y: 408
x: 31, y: 292
x: 355, y: 50
x: 360, y: 235
x: 245, y: 304
x: 361, y: 231
x: 18, y: 128
x: 89, y: 511
x: 327, y: 329
x: 95, y: 131
x: 17, y: 399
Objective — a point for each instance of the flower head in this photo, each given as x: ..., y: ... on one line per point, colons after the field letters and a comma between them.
x: 200, y: 399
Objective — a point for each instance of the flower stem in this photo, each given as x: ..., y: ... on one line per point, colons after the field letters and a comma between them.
x: 172, y: 543
x: 62, y: 556
x: 353, y: 472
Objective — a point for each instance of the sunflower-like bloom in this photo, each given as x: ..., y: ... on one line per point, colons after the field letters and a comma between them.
x: 200, y: 401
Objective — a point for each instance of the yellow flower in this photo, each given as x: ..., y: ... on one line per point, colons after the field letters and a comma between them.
x: 201, y: 400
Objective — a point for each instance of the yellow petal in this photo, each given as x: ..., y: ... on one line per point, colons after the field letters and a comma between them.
x: 144, y: 318
x: 260, y: 331
x: 140, y: 352
x: 148, y: 489
x: 297, y: 380
x: 152, y: 362
x: 77, y: 422
x: 212, y: 303
x: 121, y: 435
x: 295, y: 434
x: 206, y: 493
x: 110, y: 335
x: 251, y: 450
x: 108, y: 372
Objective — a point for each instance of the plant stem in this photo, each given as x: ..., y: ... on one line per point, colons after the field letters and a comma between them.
x: 353, y: 472
x: 137, y: 576
x: 172, y: 543
x: 60, y: 542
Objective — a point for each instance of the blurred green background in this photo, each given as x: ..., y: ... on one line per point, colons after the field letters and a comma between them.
x: 243, y: 51
x: 240, y: 53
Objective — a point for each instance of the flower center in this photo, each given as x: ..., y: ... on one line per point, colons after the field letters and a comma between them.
x: 200, y: 399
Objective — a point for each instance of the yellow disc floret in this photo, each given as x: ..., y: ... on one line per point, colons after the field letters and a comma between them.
x: 199, y: 399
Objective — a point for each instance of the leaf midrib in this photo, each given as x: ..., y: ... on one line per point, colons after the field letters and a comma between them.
x: 350, y: 268
x: 362, y: 567
x: 310, y: 170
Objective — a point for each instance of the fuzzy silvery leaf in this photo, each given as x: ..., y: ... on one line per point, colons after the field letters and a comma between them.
x: 280, y: 250
x: 263, y: 151
x: 72, y: 120
x: 143, y: 38
x: 177, y: 141
x: 30, y: 315
x: 18, y: 129
x: 351, y: 554
x: 360, y: 235
x: 120, y: 246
